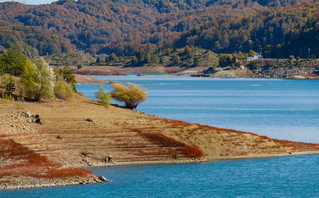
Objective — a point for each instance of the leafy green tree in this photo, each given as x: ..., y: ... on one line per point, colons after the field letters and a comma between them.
x: 103, y: 97
x: 226, y: 59
x: 12, y: 62
x: 141, y: 55
x: 196, y: 61
x: 10, y: 87
x: 67, y: 74
x: 98, y: 60
x: 2, y: 67
x: 44, y: 80
x: 28, y: 80
x: 62, y: 89
x: 132, y: 95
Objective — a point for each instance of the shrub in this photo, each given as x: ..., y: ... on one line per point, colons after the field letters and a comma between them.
x: 103, y: 97
x: 62, y: 89
x: 67, y: 74
x: 132, y: 95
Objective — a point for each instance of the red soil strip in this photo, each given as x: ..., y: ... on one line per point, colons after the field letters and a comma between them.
x: 164, y: 141
x: 25, y: 162
x: 298, y: 146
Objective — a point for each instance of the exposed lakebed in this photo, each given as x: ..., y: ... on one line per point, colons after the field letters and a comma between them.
x: 285, y: 109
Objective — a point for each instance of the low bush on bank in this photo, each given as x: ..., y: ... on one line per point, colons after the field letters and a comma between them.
x: 103, y: 97
x: 131, y: 95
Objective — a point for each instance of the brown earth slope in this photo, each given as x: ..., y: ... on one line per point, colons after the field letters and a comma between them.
x: 67, y: 138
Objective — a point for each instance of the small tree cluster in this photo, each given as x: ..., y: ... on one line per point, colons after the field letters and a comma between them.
x: 188, y: 52
x: 62, y: 89
x: 67, y: 75
x: 226, y: 60
x: 131, y: 95
x: 38, y: 80
x: 141, y: 57
x: 12, y: 62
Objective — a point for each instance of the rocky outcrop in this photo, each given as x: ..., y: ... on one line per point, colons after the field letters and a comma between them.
x: 210, y: 70
x: 284, y: 72
x: 141, y: 74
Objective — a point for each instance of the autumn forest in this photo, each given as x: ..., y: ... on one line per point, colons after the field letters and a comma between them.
x: 275, y: 28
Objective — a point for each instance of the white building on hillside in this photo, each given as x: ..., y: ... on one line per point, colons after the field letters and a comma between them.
x: 255, y: 57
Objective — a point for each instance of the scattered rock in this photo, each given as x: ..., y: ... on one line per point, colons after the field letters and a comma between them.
x: 210, y: 70
x: 34, y: 119
x: 59, y: 137
x: 141, y: 74
x: 89, y: 120
x: 103, y: 179
x: 28, y: 114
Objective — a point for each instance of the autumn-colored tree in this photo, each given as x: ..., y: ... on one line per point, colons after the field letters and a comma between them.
x: 131, y: 95
x: 188, y: 52
x: 148, y: 58
x: 251, y: 53
x: 226, y: 59
x: 134, y: 60
x: 177, y: 59
x: 113, y: 57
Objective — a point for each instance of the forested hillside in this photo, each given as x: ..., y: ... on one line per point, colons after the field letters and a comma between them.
x: 123, y: 26
x: 301, y: 41
x: 253, y: 31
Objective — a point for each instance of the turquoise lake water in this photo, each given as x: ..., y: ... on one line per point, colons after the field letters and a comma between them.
x: 285, y: 109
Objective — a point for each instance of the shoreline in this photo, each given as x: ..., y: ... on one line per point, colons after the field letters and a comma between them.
x: 143, y: 163
x: 89, y: 80
x: 275, y: 71
x: 121, y: 164
x: 131, y: 137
